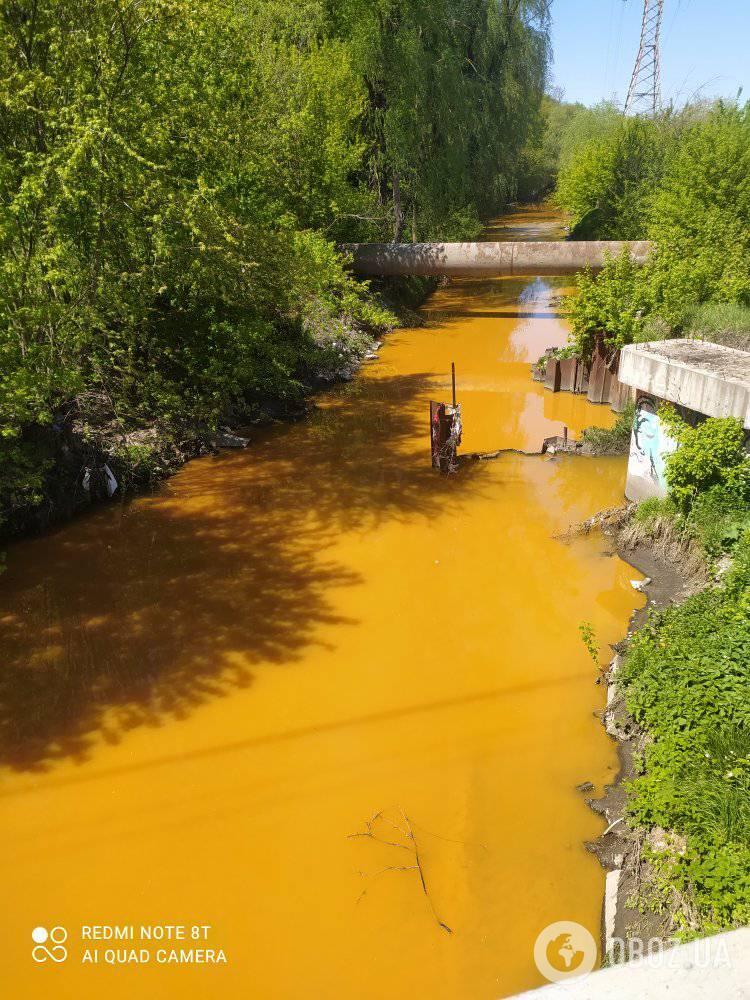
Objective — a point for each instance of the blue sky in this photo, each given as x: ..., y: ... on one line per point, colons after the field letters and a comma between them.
x: 705, y: 48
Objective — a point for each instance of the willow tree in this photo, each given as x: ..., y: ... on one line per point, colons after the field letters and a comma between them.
x: 453, y: 89
x: 175, y: 175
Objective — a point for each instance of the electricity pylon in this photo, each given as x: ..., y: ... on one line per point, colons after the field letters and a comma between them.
x: 644, y: 92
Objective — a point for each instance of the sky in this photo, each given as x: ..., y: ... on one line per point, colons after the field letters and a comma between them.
x: 705, y: 48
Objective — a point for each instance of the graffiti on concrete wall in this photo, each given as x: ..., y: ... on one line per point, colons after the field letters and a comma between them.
x: 650, y: 443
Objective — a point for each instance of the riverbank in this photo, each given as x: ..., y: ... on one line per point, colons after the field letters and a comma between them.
x: 672, y: 880
x: 88, y: 456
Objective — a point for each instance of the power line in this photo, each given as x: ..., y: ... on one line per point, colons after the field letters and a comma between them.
x: 644, y: 92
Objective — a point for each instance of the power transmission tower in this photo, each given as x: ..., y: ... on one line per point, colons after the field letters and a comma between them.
x: 644, y: 92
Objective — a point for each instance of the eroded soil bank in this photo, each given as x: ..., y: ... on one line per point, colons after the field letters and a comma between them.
x: 208, y: 693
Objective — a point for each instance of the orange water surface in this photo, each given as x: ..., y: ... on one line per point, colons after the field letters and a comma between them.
x: 207, y: 693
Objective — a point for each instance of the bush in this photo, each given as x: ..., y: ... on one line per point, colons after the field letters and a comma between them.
x: 691, y: 196
x: 612, y: 178
x: 718, y: 519
x: 700, y: 215
x: 708, y: 456
x: 609, y: 305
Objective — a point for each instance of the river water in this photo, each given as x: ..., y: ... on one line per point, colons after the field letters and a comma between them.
x: 207, y: 692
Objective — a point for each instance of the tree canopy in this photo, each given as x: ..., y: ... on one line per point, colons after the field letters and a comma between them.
x: 175, y: 176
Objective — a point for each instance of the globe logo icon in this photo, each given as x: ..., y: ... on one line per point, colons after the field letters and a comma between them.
x: 565, y: 950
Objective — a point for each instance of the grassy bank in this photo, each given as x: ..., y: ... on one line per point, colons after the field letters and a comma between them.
x: 686, y: 678
x: 686, y: 683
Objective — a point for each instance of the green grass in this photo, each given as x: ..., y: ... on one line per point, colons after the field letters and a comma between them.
x: 721, y: 323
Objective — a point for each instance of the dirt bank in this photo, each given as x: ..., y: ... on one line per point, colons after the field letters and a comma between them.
x: 673, y: 571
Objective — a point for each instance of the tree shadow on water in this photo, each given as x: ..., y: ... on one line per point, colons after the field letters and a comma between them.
x: 136, y: 615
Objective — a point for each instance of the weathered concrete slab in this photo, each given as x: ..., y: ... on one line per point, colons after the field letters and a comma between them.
x: 708, y: 378
x: 716, y: 967
x: 488, y: 259
x: 552, y: 375
x: 568, y: 373
x: 620, y: 395
x: 600, y: 382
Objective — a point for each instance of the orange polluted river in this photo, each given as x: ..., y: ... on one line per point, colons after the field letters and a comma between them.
x: 208, y: 691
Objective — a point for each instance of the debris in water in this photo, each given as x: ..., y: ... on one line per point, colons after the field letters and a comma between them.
x: 445, y: 431
x: 110, y: 480
x: 411, y: 847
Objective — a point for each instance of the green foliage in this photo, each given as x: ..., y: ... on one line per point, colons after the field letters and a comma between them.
x: 609, y: 305
x: 613, y: 440
x: 654, y: 508
x: 683, y: 182
x: 175, y: 175
x: 540, y: 159
x: 588, y: 638
x: 700, y: 217
x: 718, y: 518
x: 613, y: 174
x: 725, y: 323
x: 709, y: 456
x: 687, y: 678
x: 452, y: 94
x: 585, y: 126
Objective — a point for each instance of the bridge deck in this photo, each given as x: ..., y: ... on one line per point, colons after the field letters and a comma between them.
x: 477, y: 259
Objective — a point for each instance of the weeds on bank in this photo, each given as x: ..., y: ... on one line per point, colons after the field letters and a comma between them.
x: 613, y: 440
x: 588, y: 637
x: 687, y: 684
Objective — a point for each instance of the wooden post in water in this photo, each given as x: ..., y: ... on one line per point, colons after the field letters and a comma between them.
x: 453, y: 381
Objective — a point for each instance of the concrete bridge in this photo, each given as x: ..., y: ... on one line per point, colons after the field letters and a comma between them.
x: 467, y: 260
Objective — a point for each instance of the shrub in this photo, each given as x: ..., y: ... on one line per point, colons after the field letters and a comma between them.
x: 692, y: 198
x: 712, y: 454
x: 610, y: 304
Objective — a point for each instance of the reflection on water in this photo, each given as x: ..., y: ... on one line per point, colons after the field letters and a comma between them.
x: 206, y: 693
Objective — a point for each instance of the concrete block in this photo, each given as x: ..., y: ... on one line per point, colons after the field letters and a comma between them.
x: 552, y: 376
x: 708, y: 378
x: 568, y: 374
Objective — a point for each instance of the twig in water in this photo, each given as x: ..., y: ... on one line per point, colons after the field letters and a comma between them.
x: 412, y: 847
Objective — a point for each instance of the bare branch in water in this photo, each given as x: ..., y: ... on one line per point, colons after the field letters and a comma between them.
x: 412, y: 847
